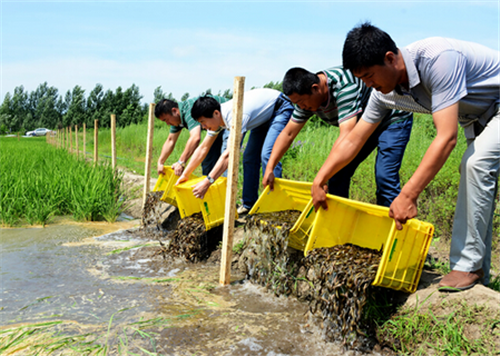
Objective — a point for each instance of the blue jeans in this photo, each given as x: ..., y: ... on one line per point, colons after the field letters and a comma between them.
x: 259, y: 147
x: 390, y: 141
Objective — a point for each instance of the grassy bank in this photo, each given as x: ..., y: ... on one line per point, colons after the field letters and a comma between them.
x: 39, y: 181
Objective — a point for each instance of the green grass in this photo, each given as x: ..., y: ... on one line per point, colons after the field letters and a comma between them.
x: 423, y: 332
x: 39, y: 181
x: 66, y: 338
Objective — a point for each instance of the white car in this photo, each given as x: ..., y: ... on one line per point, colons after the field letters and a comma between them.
x: 41, y: 132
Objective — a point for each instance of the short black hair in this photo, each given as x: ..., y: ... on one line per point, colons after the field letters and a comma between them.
x: 366, y: 46
x: 299, y: 81
x: 165, y: 106
x: 204, y: 106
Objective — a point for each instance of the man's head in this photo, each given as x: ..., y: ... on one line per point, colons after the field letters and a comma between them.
x: 206, y: 110
x: 371, y: 55
x: 303, y: 88
x: 168, y: 111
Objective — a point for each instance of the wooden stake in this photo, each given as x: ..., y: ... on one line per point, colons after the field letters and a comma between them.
x: 76, y: 142
x: 232, y: 181
x: 84, y: 141
x: 96, y: 127
x: 70, y: 140
x: 113, y: 141
x: 149, y: 151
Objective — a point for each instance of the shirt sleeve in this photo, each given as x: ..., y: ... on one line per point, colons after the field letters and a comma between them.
x: 215, y: 133
x: 349, y: 101
x: 447, y: 79
x: 375, y: 110
x: 300, y: 116
x: 175, y: 129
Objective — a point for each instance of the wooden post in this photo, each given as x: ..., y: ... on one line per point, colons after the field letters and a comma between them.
x: 76, y: 142
x: 149, y: 151
x: 70, y: 140
x: 96, y: 124
x: 113, y: 141
x: 84, y: 141
x: 232, y: 181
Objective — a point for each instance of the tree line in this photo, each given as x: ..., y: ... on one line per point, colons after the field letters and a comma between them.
x: 45, y: 107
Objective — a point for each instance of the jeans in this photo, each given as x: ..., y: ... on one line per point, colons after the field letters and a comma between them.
x: 259, y: 147
x: 473, y: 222
x: 390, y: 141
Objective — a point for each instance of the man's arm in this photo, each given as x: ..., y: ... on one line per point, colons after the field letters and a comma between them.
x: 167, y: 149
x: 191, y: 145
x: 404, y: 207
x: 343, y: 152
x: 198, y: 156
x: 282, y: 144
x: 200, y: 189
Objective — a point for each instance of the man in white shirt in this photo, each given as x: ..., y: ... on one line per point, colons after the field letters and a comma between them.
x: 265, y: 113
x: 457, y: 82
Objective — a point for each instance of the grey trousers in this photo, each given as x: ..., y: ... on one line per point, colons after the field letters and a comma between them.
x: 473, y: 223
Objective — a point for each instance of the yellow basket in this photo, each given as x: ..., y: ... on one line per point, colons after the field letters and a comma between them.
x: 287, y: 195
x: 165, y: 183
x: 211, y: 206
x: 368, y: 225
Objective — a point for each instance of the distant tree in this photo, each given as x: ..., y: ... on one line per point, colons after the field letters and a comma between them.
x: 158, y: 94
x: 207, y: 92
x: 185, y: 97
x: 273, y: 85
x: 76, y: 109
x: 94, y: 104
x: 228, y: 94
x: 45, y: 111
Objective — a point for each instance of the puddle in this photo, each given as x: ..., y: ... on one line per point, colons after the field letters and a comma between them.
x: 119, y: 289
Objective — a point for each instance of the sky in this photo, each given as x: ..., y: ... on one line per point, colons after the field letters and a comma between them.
x: 191, y: 46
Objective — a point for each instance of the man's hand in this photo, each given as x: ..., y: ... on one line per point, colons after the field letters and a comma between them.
x: 178, y: 168
x: 318, y: 194
x: 200, y: 189
x: 402, y: 209
x: 161, y: 168
x: 181, y: 179
x: 268, y: 180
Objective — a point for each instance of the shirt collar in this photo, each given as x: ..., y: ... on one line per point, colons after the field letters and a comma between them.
x: 411, y: 69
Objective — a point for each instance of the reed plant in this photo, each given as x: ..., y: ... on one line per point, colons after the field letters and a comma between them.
x: 39, y: 181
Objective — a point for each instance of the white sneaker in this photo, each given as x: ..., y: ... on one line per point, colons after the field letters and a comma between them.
x: 242, y: 210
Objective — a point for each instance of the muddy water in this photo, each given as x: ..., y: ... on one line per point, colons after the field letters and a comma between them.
x: 117, y: 288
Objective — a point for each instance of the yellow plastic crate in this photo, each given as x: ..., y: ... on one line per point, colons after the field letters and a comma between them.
x: 211, y: 206
x: 287, y: 195
x: 368, y: 225
x: 165, y: 183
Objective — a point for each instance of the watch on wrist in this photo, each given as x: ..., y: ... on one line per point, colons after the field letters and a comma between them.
x: 210, y: 179
x: 183, y: 164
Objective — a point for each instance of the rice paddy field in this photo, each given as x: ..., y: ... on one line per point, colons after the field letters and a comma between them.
x: 39, y: 181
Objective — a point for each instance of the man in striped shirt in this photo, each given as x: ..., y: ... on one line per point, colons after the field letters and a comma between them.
x: 339, y: 99
x: 457, y: 82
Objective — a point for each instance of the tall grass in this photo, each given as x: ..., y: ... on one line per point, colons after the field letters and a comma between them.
x: 38, y: 181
